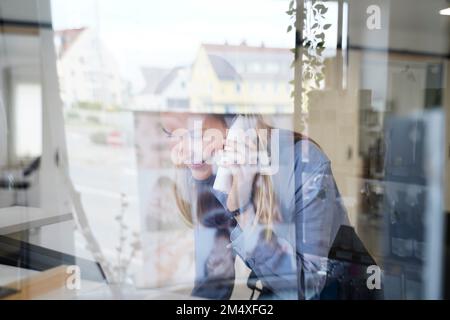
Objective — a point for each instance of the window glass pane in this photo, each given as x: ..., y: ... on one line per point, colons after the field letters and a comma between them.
x: 28, y: 116
x: 258, y: 149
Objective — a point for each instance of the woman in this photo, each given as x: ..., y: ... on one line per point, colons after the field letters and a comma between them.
x: 281, y: 222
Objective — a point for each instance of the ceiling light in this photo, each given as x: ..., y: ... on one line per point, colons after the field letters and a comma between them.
x: 445, y: 12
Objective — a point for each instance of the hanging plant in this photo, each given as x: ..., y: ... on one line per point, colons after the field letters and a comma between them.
x: 312, y: 45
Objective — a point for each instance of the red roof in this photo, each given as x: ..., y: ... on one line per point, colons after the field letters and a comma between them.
x: 68, y: 37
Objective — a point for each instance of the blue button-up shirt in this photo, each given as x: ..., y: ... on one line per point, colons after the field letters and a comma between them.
x: 292, y: 263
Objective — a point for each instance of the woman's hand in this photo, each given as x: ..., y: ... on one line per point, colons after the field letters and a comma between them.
x: 241, y: 157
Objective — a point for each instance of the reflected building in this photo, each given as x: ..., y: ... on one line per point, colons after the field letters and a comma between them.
x: 241, y: 79
x: 223, y: 78
x: 87, y: 71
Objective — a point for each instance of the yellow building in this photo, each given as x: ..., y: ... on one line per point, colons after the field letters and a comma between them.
x: 241, y: 79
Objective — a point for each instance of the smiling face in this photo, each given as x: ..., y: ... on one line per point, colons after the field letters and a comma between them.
x: 179, y: 128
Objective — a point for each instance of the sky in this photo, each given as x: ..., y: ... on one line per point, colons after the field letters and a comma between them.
x: 168, y: 33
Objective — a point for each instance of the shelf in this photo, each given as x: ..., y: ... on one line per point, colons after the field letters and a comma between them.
x: 17, y: 218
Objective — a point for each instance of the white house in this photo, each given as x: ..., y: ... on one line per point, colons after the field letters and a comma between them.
x: 165, y: 89
x: 87, y: 71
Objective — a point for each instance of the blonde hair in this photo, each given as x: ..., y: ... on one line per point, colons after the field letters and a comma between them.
x: 263, y: 196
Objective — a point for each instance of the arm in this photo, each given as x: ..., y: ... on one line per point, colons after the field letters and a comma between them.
x: 214, y: 266
x: 315, y: 218
x: 271, y: 257
x: 319, y: 214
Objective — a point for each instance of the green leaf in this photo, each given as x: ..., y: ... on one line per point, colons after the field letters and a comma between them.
x: 319, y: 6
x: 324, y: 10
x: 291, y: 4
x: 320, y: 35
x: 327, y: 26
x: 289, y: 28
x: 315, y: 25
x: 317, y: 83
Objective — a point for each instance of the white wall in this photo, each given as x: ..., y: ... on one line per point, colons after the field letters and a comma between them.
x: 3, y: 132
x: 30, y: 57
